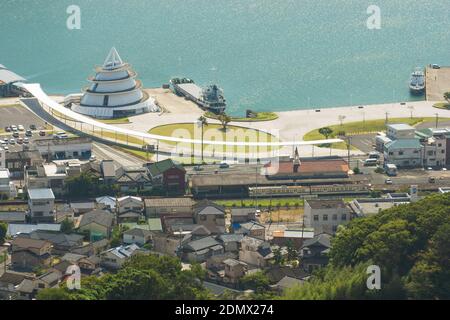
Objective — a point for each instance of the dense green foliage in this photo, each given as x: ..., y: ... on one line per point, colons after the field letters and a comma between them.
x: 87, y: 185
x: 67, y: 226
x: 143, y: 277
x: 3, y: 230
x: 411, y: 245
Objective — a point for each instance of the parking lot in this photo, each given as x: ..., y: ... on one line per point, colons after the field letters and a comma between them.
x: 17, y: 114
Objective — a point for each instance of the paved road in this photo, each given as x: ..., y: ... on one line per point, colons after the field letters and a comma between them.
x: 104, y: 152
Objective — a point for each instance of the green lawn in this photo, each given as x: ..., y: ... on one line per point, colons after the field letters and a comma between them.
x: 442, y: 105
x: 114, y: 121
x: 355, y: 128
x: 261, y: 116
x: 262, y: 202
x: 214, y: 132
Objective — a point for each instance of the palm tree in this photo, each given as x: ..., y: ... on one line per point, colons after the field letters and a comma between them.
x: 326, y: 132
x: 447, y: 96
x: 224, y: 120
x: 203, y: 122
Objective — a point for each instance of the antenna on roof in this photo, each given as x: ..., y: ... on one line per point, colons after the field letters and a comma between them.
x: 113, y: 60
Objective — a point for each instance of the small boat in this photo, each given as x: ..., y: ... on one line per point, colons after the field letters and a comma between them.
x: 417, y: 83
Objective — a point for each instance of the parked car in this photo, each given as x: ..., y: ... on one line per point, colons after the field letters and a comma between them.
x: 432, y: 180
x: 12, y: 141
x: 8, y: 129
x: 26, y: 140
x: 33, y: 127
x: 21, y: 127
x: 198, y: 168
x: 16, y: 134
x: 6, y: 148
x: 13, y: 128
x: 29, y: 133
x: 20, y: 141
x: 435, y: 66
x: 42, y: 133
x: 224, y: 165
x: 388, y: 181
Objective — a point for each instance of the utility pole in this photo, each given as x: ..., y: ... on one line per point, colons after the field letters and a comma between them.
x: 437, y: 120
x: 387, y: 117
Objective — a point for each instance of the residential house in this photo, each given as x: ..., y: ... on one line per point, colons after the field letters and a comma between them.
x: 242, y: 215
x: 10, y: 281
x: 133, y: 179
x: 169, y: 175
x: 16, y: 161
x: 255, y: 252
x: 234, y: 271
x: 404, y: 153
x: 28, y: 254
x: 98, y: 223
x: 284, y: 238
x: 166, y: 243
x: 325, y: 215
x: 114, y: 258
x: 129, y: 209
x: 231, y: 242
x: 158, y: 207
x: 61, y: 242
x: 41, y: 204
x: 287, y: 283
x: 314, y: 252
x: 80, y: 208
x: 107, y: 202
x: 7, y: 187
x: 48, y: 280
x: 210, y: 215
x: 92, y: 248
x: 13, y: 216
x: 253, y: 229
x: 200, y: 250
x: 137, y: 236
x: 108, y: 171
x: 51, y: 175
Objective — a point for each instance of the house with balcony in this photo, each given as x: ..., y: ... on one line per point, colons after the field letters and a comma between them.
x: 41, y: 204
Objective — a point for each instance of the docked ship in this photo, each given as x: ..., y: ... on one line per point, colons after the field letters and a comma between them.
x: 417, y: 83
x: 210, y: 98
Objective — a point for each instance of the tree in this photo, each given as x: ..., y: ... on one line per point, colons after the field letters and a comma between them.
x: 292, y: 253
x: 326, y: 132
x: 258, y: 282
x: 53, y: 294
x: 278, y: 258
x: 142, y: 277
x: 82, y: 185
x: 341, y: 119
x: 409, y: 242
x: 3, y: 230
x: 447, y: 96
x: 203, y: 122
x: 224, y: 120
x: 67, y: 226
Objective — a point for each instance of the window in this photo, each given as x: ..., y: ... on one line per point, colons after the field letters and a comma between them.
x: 400, y: 153
x: 334, y: 217
x: 344, y: 216
x: 316, y: 218
x: 325, y: 217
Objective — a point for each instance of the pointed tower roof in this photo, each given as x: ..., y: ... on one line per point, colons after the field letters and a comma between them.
x: 113, y: 61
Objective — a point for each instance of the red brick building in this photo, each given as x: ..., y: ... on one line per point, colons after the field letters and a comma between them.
x: 169, y: 175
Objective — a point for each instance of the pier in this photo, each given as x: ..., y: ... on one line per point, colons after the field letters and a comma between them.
x: 438, y: 83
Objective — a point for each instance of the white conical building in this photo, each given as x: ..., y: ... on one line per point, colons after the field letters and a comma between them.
x: 114, y: 92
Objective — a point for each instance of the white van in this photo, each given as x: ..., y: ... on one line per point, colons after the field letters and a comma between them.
x: 370, y: 162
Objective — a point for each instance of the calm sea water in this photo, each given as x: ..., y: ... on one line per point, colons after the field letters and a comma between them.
x: 266, y: 54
